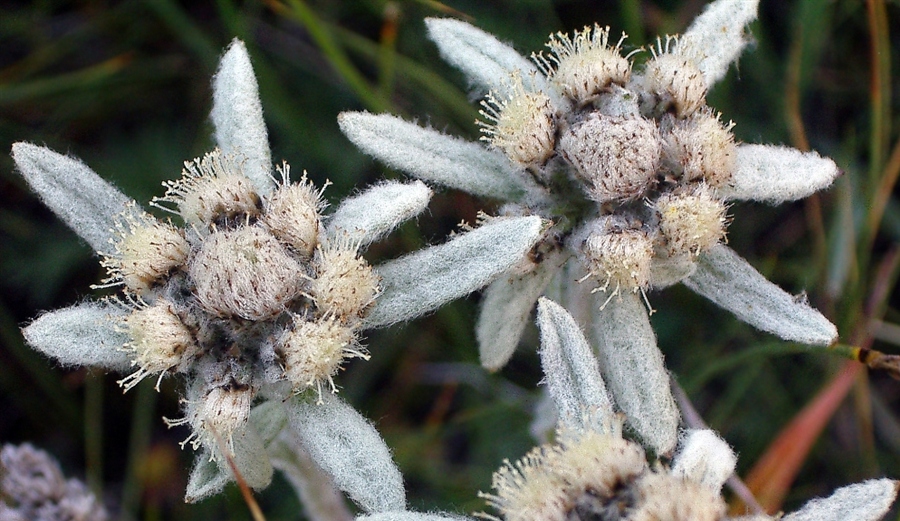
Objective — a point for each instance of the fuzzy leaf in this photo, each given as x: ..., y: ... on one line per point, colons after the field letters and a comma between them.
x: 485, y: 60
x: 82, y: 199
x: 506, y: 308
x: 405, y: 515
x: 238, y: 118
x: 206, y: 479
x: 81, y: 335
x: 571, y: 371
x: 423, y: 281
x: 633, y: 369
x: 372, y: 214
x: 729, y: 281
x: 705, y: 458
x: 777, y: 174
x: 432, y: 156
x: 268, y: 419
x: 716, y: 38
x: 348, y: 447
x: 866, y: 501
x: 250, y: 458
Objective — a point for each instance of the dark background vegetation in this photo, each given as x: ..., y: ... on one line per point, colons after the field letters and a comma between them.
x: 125, y: 86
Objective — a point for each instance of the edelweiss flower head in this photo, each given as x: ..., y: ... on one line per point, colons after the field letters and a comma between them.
x: 635, y: 144
x: 257, y: 296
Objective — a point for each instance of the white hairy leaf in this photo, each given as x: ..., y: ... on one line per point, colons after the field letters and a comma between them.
x: 571, y: 371
x: 633, y: 369
x: 372, y: 214
x: 486, y: 61
x: 704, y: 458
x: 866, y: 501
x: 268, y: 419
x: 87, y: 203
x: 506, y: 308
x: 716, y: 38
x: 238, y: 118
x: 777, y: 174
x: 432, y: 156
x: 250, y: 458
x: 81, y: 335
x: 423, y: 281
x: 206, y: 479
x: 729, y: 281
x: 348, y: 447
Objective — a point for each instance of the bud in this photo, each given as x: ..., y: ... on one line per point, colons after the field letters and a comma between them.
x: 312, y: 352
x: 146, y: 252
x: 691, y: 221
x: 522, y: 127
x: 159, y: 340
x: 616, y: 157
x: 585, y: 65
x: 675, y: 81
x: 701, y: 148
x: 664, y: 496
x: 345, y: 284
x: 292, y: 213
x: 214, y: 410
x: 245, y: 272
x: 618, y: 254
x: 212, y: 191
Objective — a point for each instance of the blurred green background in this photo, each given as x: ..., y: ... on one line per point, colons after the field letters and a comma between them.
x: 125, y: 86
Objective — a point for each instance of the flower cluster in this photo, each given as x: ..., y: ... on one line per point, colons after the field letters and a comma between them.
x: 257, y: 296
x: 33, y: 488
x: 620, y: 151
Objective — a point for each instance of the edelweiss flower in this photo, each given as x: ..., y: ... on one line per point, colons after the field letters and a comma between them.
x: 258, y: 295
x: 635, y: 171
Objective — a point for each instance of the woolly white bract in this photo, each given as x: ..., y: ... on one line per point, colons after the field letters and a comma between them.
x: 635, y: 171
x: 259, y: 296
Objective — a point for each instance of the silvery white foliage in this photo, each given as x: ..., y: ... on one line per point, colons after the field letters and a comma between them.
x: 571, y: 372
x: 716, y: 38
x: 405, y: 515
x: 431, y: 155
x: 760, y: 174
x: 507, y: 305
x: 422, y: 281
x: 705, y: 458
x: 238, y: 118
x: 373, y: 214
x: 633, y: 368
x: 486, y: 61
x: 81, y: 335
x: 348, y: 447
x: 82, y: 199
x: 725, y: 278
x: 866, y: 501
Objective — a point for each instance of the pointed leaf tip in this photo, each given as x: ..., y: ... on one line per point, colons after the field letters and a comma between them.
x: 776, y: 174
x: 238, y: 117
x: 86, y: 202
x: 727, y: 280
x: 717, y: 37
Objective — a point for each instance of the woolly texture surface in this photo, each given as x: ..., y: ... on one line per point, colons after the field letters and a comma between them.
x: 506, y: 308
x: 420, y: 282
x: 373, y: 214
x: 726, y: 279
x: 349, y: 448
x: 206, y: 479
x: 866, y: 501
x: 704, y: 458
x: 81, y: 335
x: 431, y: 155
x: 571, y: 371
x: 238, y: 118
x: 777, y: 174
x: 633, y: 368
x: 82, y: 199
x: 715, y: 38
x: 485, y: 60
